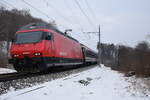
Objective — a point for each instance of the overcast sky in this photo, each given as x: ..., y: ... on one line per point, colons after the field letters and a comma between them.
x: 122, y: 21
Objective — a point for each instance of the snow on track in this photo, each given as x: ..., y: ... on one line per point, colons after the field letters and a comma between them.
x: 94, y: 84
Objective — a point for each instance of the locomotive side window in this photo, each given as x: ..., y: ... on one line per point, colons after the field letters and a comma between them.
x: 47, y: 36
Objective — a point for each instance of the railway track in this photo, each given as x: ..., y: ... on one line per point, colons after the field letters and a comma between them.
x: 16, y: 75
x: 11, y: 76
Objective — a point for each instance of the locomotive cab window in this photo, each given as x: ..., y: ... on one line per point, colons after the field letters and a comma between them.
x: 32, y: 37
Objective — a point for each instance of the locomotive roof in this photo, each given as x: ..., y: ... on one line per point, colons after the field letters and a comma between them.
x: 44, y: 25
x: 38, y: 25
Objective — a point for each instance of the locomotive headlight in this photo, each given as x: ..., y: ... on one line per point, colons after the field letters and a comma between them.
x: 16, y: 55
x: 38, y: 54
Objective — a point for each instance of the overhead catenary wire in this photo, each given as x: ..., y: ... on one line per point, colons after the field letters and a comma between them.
x: 80, y: 30
x: 72, y: 13
x: 59, y: 13
x: 8, y: 3
x: 36, y: 9
x: 86, y: 16
x: 41, y: 12
x: 4, y: 5
x: 90, y: 9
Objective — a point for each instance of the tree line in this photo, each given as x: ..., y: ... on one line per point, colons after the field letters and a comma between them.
x: 127, y: 59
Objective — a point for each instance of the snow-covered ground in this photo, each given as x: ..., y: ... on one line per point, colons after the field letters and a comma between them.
x: 5, y: 70
x: 94, y: 84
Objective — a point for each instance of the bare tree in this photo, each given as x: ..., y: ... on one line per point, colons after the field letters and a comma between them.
x: 144, y: 46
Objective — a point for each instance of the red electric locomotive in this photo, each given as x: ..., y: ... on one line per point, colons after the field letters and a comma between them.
x: 38, y: 46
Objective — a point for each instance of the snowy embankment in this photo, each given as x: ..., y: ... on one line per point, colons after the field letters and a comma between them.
x: 5, y: 70
x: 94, y: 84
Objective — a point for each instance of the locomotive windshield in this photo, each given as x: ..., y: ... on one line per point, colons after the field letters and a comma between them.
x: 28, y: 37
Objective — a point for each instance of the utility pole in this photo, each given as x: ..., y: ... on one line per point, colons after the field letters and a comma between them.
x: 99, y: 44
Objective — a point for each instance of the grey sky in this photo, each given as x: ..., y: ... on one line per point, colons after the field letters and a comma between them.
x: 122, y: 21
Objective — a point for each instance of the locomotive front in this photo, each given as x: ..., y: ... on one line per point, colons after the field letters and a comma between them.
x: 30, y: 49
